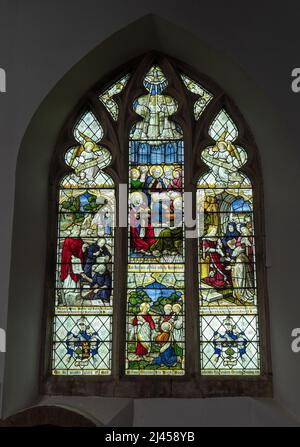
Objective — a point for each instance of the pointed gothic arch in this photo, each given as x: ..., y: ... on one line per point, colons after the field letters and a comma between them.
x: 195, y: 120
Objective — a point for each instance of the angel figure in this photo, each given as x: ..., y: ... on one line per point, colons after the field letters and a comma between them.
x: 88, y: 159
x: 224, y: 160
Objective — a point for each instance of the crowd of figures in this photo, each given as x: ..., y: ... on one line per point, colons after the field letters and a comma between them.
x: 156, y: 211
x: 228, y: 261
x: 158, y: 338
x: 155, y: 177
x: 155, y: 315
x: 85, y: 273
x: 156, y: 256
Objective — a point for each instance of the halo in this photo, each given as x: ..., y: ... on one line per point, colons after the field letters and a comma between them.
x: 156, y: 167
x: 135, y: 169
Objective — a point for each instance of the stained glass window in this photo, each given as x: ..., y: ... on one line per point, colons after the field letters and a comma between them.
x: 204, y: 95
x: 85, y: 250
x: 163, y: 132
x: 107, y: 96
x: 155, y: 306
x: 229, y: 337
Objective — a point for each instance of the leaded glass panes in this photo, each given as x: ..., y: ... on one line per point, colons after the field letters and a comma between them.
x: 107, y: 96
x: 155, y: 287
x: 88, y: 128
x: 204, y: 95
x: 85, y: 255
x: 229, y: 338
x: 154, y: 127
x: 223, y: 127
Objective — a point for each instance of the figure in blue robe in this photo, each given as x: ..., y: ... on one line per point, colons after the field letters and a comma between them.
x: 231, y: 233
x: 91, y: 257
x: 167, y: 358
x: 102, y: 279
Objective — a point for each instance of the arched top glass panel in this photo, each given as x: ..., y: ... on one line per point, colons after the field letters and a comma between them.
x: 227, y: 258
x: 155, y: 278
x: 225, y: 158
x: 82, y: 331
x: 88, y: 159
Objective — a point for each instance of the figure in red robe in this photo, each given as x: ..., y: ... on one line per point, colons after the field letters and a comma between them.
x: 144, y: 325
x: 139, y: 216
x: 72, y: 247
x: 142, y: 243
x: 217, y: 275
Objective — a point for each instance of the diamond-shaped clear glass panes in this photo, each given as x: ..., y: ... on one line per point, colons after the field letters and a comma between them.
x: 88, y: 127
x: 229, y: 345
x: 155, y: 312
x: 107, y: 97
x: 227, y: 259
x: 82, y: 345
x: 223, y: 126
x: 204, y: 95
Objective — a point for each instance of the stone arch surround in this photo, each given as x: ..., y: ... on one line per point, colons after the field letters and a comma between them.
x: 21, y: 389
